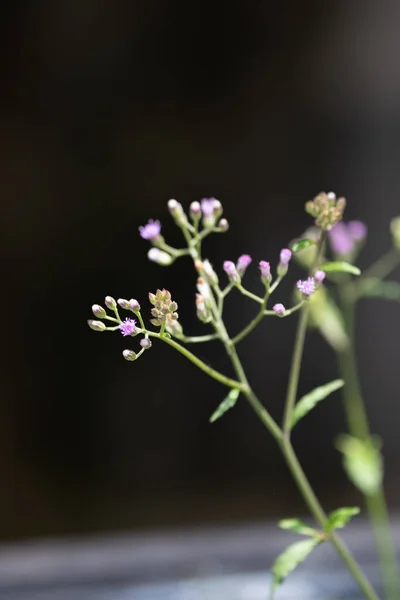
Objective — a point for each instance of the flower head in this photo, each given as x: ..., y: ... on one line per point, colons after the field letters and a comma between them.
x: 128, y: 327
x: 242, y: 263
x: 151, y: 231
x: 208, y: 206
x: 340, y: 239
x: 357, y: 230
x: 279, y: 309
x: 306, y: 287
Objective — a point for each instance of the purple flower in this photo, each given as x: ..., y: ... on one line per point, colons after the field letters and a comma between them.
x: 208, y: 206
x: 279, y: 309
x: 128, y: 327
x: 285, y: 256
x: 340, y: 240
x: 319, y: 276
x: 242, y: 263
x: 357, y: 230
x: 151, y: 231
x: 306, y: 287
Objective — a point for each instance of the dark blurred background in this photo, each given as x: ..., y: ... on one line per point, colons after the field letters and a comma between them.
x: 108, y: 109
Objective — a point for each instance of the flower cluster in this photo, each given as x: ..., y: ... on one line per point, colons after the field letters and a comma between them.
x: 326, y: 209
x: 164, y: 309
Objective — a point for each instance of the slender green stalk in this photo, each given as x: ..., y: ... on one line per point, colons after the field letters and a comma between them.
x: 359, y: 427
x: 232, y: 383
x: 295, y: 369
x: 245, y: 292
x: 199, y: 339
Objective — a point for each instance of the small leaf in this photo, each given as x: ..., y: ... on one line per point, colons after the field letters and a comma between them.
x: 301, y: 244
x: 362, y: 460
x: 307, y: 402
x: 375, y: 288
x: 225, y: 405
x: 340, y: 517
x: 297, y: 526
x: 341, y: 267
x: 290, y: 558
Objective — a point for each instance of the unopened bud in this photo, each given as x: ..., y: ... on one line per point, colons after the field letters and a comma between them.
x: 134, y: 305
x: 209, y: 272
x: 195, y: 211
x: 145, y: 343
x: 160, y: 257
x: 129, y: 355
x: 279, y: 309
x: 203, y: 312
x: 123, y: 303
x: 176, y: 210
x: 265, y: 272
x: 98, y: 311
x: 231, y: 271
x: 96, y: 325
x: 284, y: 260
x: 110, y: 303
x: 242, y: 264
x: 223, y: 225
x: 319, y: 276
x: 395, y: 229
x: 174, y: 327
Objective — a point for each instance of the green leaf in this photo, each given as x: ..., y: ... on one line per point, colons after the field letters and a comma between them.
x: 307, y: 402
x: 362, y: 461
x: 290, y: 558
x: 301, y: 244
x: 375, y: 288
x: 340, y: 517
x: 297, y: 526
x: 225, y: 405
x: 341, y: 267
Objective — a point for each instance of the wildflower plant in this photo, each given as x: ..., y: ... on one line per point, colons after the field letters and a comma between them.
x: 327, y: 308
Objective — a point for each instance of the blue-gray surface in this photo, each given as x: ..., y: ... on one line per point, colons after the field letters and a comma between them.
x: 214, y: 564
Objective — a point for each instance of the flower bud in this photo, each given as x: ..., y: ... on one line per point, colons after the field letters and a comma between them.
x: 285, y: 257
x: 174, y: 327
x: 134, y: 305
x: 212, y: 210
x: 98, y: 311
x: 209, y: 272
x: 279, y: 309
x: 319, y: 276
x: 176, y: 210
x: 223, y: 225
x: 123, y: 303
x: 231, y: 271
x: 265, y: 270
x: 395, y: 229
x: 160, y: 257
x: 195, y: 211
x: 96, y: 325
x: 145, y: 343
x: 110, y: 303
x: 129, y: 355
x: 203, y: 312
x: 242, y: 264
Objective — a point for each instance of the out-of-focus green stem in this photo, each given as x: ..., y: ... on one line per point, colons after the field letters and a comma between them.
x: 359, y: 427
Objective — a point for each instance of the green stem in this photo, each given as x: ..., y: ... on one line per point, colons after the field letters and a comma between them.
x: 232, y: 383
x: 295, y: 369
x: 198, y: 339
x: 381, y: 268
x: 359, y: 427
x: 245, y: 292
